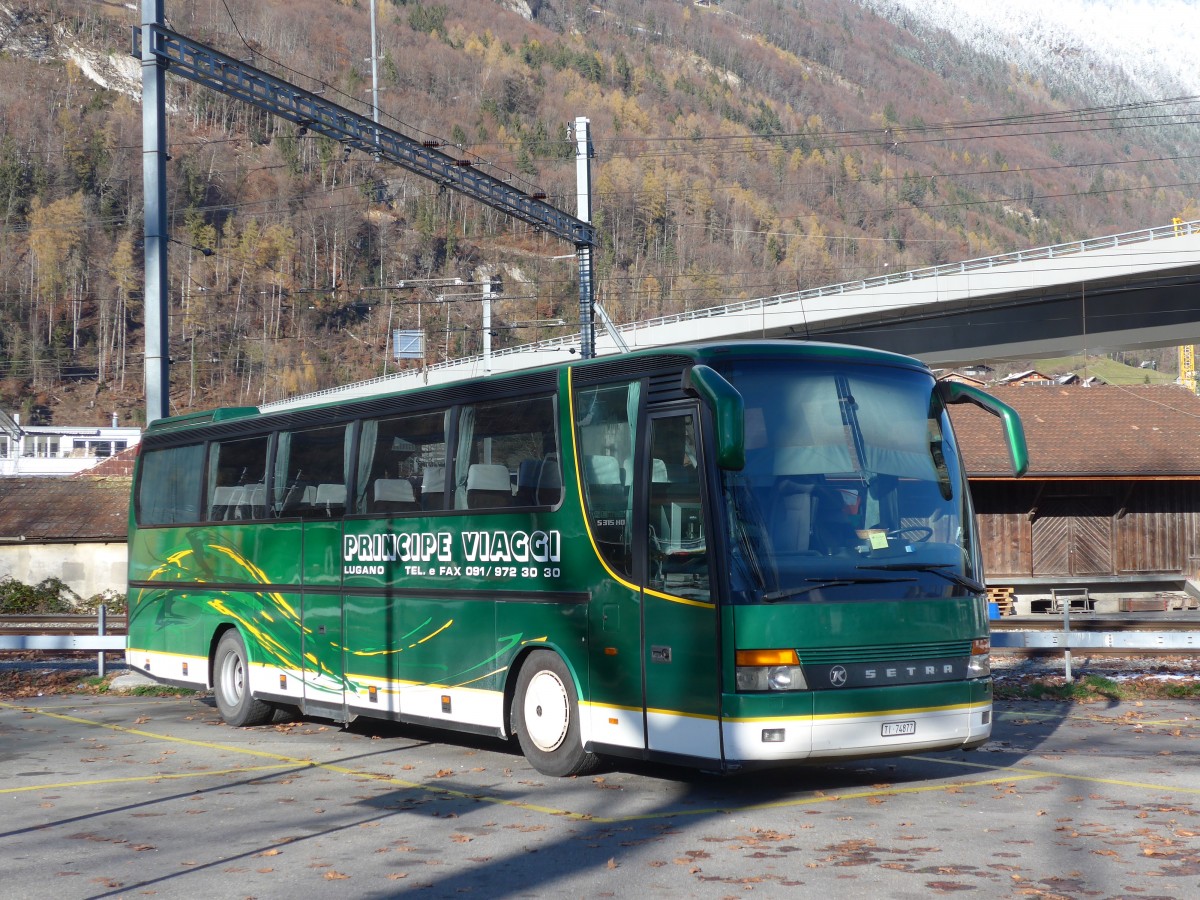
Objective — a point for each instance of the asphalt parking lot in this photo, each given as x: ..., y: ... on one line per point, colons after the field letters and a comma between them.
x: 122, y: 796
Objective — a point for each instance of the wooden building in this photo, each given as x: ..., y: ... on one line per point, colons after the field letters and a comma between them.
x: 1112, y: 497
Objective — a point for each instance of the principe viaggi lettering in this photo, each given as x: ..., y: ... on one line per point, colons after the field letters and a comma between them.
x: 433, y: 553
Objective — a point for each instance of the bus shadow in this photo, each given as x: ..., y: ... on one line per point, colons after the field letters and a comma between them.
x: 569, y: 828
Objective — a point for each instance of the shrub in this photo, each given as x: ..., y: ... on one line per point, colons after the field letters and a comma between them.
x: 51, y: 595
x: 114, y: 600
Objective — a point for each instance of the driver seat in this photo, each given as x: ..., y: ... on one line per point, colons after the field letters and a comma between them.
x: 792, y: 517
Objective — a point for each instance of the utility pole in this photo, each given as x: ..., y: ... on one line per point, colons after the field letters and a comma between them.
x: 487, y: 324
x: 374, y: 73
x: 154, y: 189
x: 583, y: 212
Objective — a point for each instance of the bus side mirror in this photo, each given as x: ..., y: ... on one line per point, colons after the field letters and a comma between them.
x: 1014, y: 432
x: 729, y: 413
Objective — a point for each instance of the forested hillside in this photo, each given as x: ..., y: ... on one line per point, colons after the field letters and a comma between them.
x: 743, y: 148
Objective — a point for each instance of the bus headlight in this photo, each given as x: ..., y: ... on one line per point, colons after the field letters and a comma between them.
x: 981, y: 658
x: 769, y: 670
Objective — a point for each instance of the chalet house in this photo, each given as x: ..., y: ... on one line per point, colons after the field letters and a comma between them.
x: 961, y: 378
x: 1030, y: 376
x: 1111, y: 501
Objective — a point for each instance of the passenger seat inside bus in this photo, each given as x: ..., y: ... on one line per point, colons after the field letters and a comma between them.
x: 550, y: 485
x: 224, y: 500
x: 241, y: 501
x: 331, y: 499
x: 792, y: 516
x: 298, y: 498
x: 394, y: 495
x: 529, y: 473
x: 606, y: 492
x: 433, y: 487
x: 488, y: 486
x: 253, y: 503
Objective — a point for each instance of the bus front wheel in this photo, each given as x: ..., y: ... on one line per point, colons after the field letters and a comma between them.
x: 231, y: 684
x: 545, y: 716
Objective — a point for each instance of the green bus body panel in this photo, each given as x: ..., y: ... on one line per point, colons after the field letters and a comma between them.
x: 690, y: 681
x: 798, y: 626
x: 476, y: 617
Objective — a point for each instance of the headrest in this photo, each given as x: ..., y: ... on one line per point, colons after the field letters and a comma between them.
x: 396, y: 490
x: 488, y: 477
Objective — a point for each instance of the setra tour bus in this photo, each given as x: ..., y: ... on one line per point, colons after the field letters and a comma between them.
x: 722, y: 555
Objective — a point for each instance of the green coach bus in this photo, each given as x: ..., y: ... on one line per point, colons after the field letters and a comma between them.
x: 721, y: 555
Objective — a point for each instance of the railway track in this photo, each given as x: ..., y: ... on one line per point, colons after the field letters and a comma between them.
x: 60, y: 624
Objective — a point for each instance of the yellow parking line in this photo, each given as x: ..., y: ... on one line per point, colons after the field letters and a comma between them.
x: 296, y: 761
x: 1187, y: 721
x: 62, y: 785
x: 1066, y: 776
x: 1001, y: 777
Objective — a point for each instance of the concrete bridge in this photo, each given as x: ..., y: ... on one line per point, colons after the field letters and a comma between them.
x: 1124, y: 291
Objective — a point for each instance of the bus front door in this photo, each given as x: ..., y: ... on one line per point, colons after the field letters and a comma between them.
x: 321, y: 619
x: 679, y: 611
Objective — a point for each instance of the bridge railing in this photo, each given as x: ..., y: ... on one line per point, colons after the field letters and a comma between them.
x: 1052, y: 251
x: 563, y: 344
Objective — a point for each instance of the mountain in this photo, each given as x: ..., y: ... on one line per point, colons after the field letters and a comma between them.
x: 742, y: 149
x: 1112, y: 51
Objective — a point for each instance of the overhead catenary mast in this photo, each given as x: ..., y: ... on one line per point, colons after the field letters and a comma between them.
x: 159, y: 49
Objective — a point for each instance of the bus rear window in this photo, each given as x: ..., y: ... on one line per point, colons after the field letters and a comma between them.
x: 168, y: 490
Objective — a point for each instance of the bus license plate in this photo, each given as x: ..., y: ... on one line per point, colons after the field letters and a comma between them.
x: 894, y: 729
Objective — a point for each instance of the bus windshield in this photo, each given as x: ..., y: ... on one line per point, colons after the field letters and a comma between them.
x: 852, y: 489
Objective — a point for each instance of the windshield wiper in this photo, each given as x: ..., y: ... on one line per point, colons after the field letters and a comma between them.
x: 817, y: 583
x: 943, y: 569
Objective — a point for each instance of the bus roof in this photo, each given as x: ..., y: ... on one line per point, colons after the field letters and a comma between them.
x: 709, y: 352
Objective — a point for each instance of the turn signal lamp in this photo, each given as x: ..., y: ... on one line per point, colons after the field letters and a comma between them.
x: 981, y: 658
x: 769, y: 670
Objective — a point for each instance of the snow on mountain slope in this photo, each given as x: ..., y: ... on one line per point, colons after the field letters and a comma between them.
x: 1108, y: 48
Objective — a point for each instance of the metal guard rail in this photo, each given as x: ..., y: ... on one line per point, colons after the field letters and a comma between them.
x: 1142, y: 641
x: 101, y: 641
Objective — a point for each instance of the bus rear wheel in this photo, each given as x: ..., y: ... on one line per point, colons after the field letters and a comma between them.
x: 231, y: 684
x: 545, y: 716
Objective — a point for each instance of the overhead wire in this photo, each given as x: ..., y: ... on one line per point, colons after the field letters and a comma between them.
x: 382, y: 113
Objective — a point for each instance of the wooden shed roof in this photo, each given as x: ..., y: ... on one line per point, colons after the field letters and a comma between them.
x: 1102, y: 431
x: 82, y: 508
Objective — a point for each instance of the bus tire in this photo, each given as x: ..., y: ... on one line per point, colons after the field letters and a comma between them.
x: 231, y: 684
x: 545, y: 717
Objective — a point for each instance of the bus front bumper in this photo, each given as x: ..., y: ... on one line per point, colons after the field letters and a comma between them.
x: 765, y: 728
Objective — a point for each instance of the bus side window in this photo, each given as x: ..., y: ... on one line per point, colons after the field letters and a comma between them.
x: 606, y: 432
x: 401, y: 465
x: 550, y: 483
x: 237, y: 479
x: 311, y: 473
x: 499, y: 444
